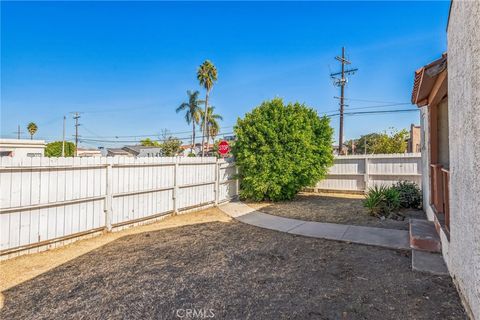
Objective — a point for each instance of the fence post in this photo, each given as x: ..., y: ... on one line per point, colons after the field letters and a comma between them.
x: 109, y: 198
x: 175, y: 187
x: 217, y: 182
x: 237, y: 181
x: 366, y: 177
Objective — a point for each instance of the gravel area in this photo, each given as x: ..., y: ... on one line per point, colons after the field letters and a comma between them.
x: 233, y: 271
x: 332, y: 208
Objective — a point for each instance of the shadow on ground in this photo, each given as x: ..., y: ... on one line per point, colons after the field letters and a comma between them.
x: 237, y: 271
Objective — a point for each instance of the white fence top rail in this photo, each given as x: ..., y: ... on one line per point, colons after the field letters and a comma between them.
x: 381, y: 156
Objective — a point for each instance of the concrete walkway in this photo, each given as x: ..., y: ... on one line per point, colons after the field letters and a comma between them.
x: 387, y: 238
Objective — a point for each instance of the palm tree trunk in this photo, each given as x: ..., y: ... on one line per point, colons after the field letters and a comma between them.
x: 204, y: 125
x: 193, y: 135
x: 31, y: 137
x: 208, y: 136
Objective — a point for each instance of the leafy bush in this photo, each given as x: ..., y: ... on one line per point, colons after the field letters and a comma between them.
x: 281, y: 149
x: 410, y: 194
x: 54, y: 149
x: 382, y: 201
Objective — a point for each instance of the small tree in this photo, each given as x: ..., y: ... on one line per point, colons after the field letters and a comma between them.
x: 281, y: 149
x: 54, y: 149
x: 171, y: 146
x: 364, y: 142
x: 393, y: 142
x: 385, y: 142
x: 147, y: 142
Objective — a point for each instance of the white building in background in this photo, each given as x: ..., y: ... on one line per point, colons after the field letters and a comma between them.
x: 22, y: 148
x: 81, y: 152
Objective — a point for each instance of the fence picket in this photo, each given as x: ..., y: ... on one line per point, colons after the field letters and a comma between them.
x: 75, y: 195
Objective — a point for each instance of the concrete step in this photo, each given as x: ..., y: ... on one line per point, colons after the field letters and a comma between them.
x: 428, y: 262
x: 424, y: 236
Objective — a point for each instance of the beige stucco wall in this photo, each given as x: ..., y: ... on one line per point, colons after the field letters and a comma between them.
x: 424, y: 143
x: 462, y: 253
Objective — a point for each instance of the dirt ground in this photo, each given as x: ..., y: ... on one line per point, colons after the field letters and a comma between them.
x: 232, y: 271
x: 334, y: 208
x: 26, y: 267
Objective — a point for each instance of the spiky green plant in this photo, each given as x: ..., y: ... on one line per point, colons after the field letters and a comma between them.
x: 382, y: 201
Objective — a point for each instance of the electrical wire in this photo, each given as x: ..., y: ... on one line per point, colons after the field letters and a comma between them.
x: 373, y: 101
x: 151, y: 135
x: 227, y: 133
x: 155, y: 140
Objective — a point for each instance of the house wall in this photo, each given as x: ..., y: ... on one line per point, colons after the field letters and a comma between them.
x: 150, y: 152
x: 424, y: 134
x: 462, y: 252
x: 414, y: 140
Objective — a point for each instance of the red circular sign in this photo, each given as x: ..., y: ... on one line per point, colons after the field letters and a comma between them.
x: 223, y: 147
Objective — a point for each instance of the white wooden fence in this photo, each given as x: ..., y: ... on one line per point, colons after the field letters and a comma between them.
x: 46, y: 201
x: 357, y: 173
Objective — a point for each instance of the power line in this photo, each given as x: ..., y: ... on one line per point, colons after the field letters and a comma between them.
x: 149, y: 135
x: 133, y: 141
x: 356, y: 113
x: 372, y: 107
x: 375, y: 112
x: 374, y: 101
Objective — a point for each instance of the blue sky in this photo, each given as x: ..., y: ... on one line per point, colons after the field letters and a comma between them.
x: 127, y: 65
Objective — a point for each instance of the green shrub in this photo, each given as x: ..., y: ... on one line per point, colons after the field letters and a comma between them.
x: 382, y: 201
x: 410, y: 194
x: 392, y: 201
x: 281, y: 149
x: 54, y: 149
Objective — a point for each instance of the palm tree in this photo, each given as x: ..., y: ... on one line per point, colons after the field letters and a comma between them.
x: 193, y: 111
x: 207, y: 76
x: 32, y: 129
x: 212, y: 126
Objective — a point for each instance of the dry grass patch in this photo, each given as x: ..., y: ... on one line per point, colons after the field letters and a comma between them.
x: 238, y: 271
x: 23, y: 268
x: 333, y: 208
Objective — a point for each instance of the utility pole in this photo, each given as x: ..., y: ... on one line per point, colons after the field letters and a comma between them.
x: 18, y: 132
x: 365, y: 145
x: 63, y: 141
x: 76, y: 116
x: 341, y: 82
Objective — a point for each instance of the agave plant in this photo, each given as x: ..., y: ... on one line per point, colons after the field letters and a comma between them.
x: 382, y: 201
